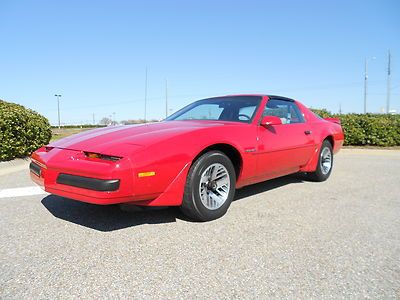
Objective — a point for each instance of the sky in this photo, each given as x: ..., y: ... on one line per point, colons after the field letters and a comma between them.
x: 95, y: 54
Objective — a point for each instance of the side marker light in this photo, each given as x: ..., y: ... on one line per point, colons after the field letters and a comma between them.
x: 146, y: 174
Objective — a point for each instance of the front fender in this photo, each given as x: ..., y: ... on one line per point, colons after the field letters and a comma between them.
x: 173, y: 194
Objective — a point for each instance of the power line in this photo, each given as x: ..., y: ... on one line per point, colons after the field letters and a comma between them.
x: 189, y: 96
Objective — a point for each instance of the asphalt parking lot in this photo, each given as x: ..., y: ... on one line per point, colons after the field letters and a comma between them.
x: 285, y: 238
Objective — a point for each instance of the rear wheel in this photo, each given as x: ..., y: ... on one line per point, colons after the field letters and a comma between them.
x: 325, y: 163
x: 210, y: 187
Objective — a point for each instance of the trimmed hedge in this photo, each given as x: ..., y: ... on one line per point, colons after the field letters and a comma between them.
x: 22, y: 131
x: 368, y: 129
x: 79, y: 126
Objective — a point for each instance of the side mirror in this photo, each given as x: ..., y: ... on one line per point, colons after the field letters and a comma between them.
x: 270, y: 120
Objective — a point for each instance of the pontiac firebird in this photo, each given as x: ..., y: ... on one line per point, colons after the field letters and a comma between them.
x: 195, y: 159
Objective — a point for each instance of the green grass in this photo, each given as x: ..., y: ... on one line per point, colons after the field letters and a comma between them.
x: 59, y: 133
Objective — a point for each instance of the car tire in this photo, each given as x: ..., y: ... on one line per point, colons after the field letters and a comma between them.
x: 210, y: 187
x: 325, y: 163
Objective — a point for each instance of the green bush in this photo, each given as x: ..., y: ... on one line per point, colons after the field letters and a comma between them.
x: 22, y: 131
x: 323, y: 113
x: 368, y: 129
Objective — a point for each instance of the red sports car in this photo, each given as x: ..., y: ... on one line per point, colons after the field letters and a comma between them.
x: 195, y: 159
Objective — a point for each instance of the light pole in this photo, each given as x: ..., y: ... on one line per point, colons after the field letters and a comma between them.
x: 166, y: 98
x: 366, y: 82
x: 388, y: 85
x: 145, y: 98
x: 58, y: 106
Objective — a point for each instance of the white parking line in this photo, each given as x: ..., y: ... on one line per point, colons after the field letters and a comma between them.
x: 20, y: 192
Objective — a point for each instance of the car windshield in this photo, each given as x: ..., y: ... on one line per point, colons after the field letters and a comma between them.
x: 234, y: 109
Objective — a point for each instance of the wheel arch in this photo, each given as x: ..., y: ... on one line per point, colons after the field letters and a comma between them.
x: 312, y: 164
x: 230, y: 151
x: 330, y: 139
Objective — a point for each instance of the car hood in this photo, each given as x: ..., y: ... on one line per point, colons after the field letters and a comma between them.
x: 108, y: 140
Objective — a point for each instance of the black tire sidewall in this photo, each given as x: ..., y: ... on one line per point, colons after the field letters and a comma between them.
x: 198, y: 168
x: 319, y: 174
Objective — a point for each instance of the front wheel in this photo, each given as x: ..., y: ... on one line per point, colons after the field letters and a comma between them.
x: 210, y: 187
x: 325, y: 163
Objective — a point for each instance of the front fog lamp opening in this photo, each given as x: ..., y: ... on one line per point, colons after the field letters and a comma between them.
x: 101, y: 156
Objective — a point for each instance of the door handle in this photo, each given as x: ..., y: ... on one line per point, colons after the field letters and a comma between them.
x: 307, y: 132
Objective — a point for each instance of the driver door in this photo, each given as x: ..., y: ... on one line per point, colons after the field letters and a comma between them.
x: 283, y: 149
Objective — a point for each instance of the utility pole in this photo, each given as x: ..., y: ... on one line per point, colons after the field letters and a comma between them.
x: 58, y: 107
x: 145, y: 98
x: 366, y: 82
x: 166, y: 98
x: 94, y: 122
x: 388, y: 85
x: 340, y: 108
x: 114, y: 118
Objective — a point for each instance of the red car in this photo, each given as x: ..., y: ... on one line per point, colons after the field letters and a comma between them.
x: 194, y: 159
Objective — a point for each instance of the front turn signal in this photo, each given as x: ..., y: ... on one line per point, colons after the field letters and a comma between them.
x: 102, y: 156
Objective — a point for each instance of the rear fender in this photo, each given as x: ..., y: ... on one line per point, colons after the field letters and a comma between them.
x: 311, y: 166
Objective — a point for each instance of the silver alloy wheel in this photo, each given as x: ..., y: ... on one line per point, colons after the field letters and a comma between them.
x: 214, y: 186
x: 326, y: 160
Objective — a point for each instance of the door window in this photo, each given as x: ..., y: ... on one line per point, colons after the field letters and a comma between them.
x: 287, y: 111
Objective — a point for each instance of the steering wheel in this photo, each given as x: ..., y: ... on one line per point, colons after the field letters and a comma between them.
x: 243, y: 115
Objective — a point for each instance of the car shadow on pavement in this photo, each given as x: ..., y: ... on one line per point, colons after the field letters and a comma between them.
x: 111, y: 217
x: 265, y: 186
x: 107, y: 217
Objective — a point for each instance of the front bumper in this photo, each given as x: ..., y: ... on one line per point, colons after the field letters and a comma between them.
x: 35, y: 169
x: 68, y: 173
x: 94, y: 184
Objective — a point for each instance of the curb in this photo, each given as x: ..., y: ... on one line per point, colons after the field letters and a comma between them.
x: 19, y: 164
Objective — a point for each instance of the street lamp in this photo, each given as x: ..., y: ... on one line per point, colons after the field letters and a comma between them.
x: 366, y: 82
x: 58, y: 106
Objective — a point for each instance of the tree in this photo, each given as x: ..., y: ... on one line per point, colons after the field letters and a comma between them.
x: 105, y: 121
